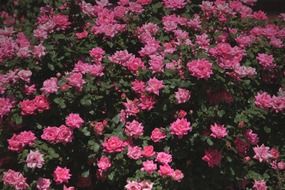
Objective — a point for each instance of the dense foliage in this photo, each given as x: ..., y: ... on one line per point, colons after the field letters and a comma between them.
x: 141, y: 95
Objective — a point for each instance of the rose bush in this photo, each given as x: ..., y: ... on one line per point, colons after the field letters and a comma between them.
x: 140, y: 95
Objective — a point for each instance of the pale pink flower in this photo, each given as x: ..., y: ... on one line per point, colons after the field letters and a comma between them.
x: 43, y: 184
x: 133, y: 185
x: 5, y: 106
x: 251, y: 137
x: 76, y: 80
x: 182, y: 95
x: 174, y: 4
x: 263, y: 100
x: 35, y: 159
x: 146, y: 185
x: 262, y: 153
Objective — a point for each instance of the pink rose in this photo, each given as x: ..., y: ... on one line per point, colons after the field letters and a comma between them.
x: 201, y: 69
x: 165, y: 170
x: 218, y: 131
x: 35, y: 159
x: 163, y: 158
x: 213, y: 157
x: 134, y: 129
x: 61, y: 175
x: 149, y: 166
x: 74, y: 120
x: 134, y: 152
x: 15, y: 179
x: 182, y: 95
x: 104, y: 163
x: 148, y: 151
x: 43, y: 184
x: 157, y: 135
x: 65, y: 134
x: 113, y: 144
x: 180, y: 127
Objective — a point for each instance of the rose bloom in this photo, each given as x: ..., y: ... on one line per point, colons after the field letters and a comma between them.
x: 35, y: 159
x: 157, y: 135
x: 213, y: 157
x: 259, y: 185
x: 74, y: 120
x: 50, y: 85
x: 180, y: 127
x: 263, y: 100
x: 154, y: 85
x: 134, y: 152
x: 61, y: 175
x: 65, y: 135
x: 201, y: 69
x: 218, y: 131
x: 262, y: 153
x: 182, y: 95
x: 146, y: 185
x: 50, y: 134
x: 165, y: 170
x: 41, y: 103
x: 148, y: 151
x: 133, y: 185
x: 134, y: 129
x: 15, y: 179
x: 43, y: 184
x: 149, y: 166
x: 18, y: 142
x: 177, y: 175
x: 113, y: 144
x: 163, y: 158
x: 97, y: 54
x: 104, y: 163
x: 28, y: 107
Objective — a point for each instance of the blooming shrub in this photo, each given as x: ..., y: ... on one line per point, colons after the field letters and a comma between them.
x: 141, y: 95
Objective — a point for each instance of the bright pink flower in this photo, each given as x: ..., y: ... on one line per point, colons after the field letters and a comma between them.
x: 61, y: 175
x: 213, y: 157
x: 275, y: 154
x: 74, y: 120
x: 39, y: 51
x: 266, y: 60
x: 43, y: 184
x: 262, y: 153
x: 146, y: 102
x: 165, y: 170
x: 201, y: 68
x: 180, y: 127
x: 259, y: 185
x: 148, y: 151
x: 99, y: 127
x: 104, y: 163
x: 263, y: 100
x: 149, y: 166
x: 64, y: 135
x: 113, y: 144
x: 177, y: 175
x: 15, y: 179
x: 134, y: 152
x: 182, y: 95
x: 157, y: 135
x: 218, y: 131
x: 174, y: 4
x: 154, y: 85
x: 81, y: 35
x: 134, y: 129
x: 28, y: 107
x: 41, y: 103
x: 138, y: 86
x: 97, y: 54
x: 50, y: 134
x: 35, y: 159
x: 163, y: 158
x: 156, y: 63
x: 133, y: 185
x: 251, y: 137
x: 50, y: 86
x: 18, y: 142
